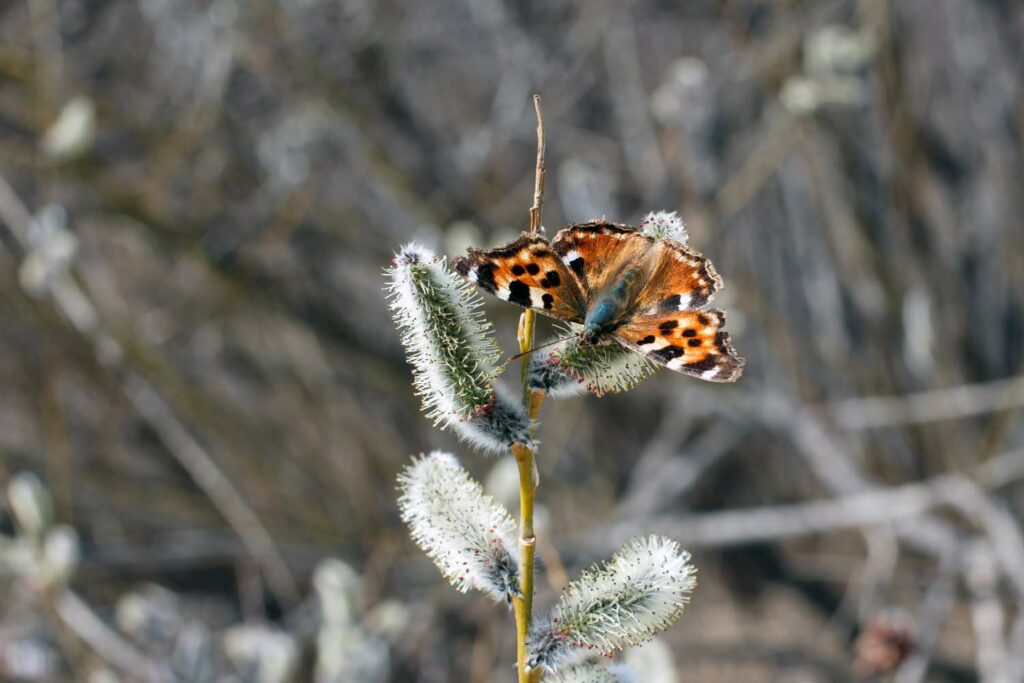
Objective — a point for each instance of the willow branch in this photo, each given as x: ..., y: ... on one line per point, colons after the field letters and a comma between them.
x: 523, y: 605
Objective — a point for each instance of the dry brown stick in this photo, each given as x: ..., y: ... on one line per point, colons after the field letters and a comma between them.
x: 74, y: 304
x: 540, y: 173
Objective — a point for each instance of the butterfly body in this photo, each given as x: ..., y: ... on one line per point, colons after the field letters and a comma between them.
x: 623, y: 286
x: 610, y: 308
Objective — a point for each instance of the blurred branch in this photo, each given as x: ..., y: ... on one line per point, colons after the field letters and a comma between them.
x: 772, y: 523
x: 660, y: 477
x: 865, y: 509
x: 629, y: 102
x: 938, y: 602
x: 987, y: 617
x: 930, y: 406
x: 104, y: 641
x: 79, y: 310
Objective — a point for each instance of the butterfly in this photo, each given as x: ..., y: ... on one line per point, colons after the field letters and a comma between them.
x: 622, y: 285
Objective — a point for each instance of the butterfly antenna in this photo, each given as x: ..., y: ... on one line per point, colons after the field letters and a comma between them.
x: 537, y: 348
x: 500, y: 370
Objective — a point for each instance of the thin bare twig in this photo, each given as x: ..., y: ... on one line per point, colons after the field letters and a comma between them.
x: 540, y: 173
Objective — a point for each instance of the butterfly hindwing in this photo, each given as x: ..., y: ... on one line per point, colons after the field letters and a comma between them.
x: 528, y: 273
x: 691, y: 342
x: 681, y: 280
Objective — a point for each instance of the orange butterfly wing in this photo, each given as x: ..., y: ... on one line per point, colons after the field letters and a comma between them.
x: 528, y: 273
x: 681, y: 280
x: 691, y: 342
x: 596, y: 251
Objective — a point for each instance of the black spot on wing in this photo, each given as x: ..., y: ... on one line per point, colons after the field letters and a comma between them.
x: 518, y: 270
x: 690, y: 332
x: 519, y: 293
x: 548, y: 300
x: 552, y: 278
x: 649, y: 339
x: 525, y: 240
x: 532, y: 268
x: 670, y: 304
x: 703, y: 365
x: 666, y: 354
x: 485, y: 277
x: 577, y: 265
x: 694, y: 342
x: 668, y: 325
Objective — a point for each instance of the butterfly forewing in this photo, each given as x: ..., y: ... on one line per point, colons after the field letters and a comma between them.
x: 528, y: 273
x: 595, y: 252
x: 691, y: 342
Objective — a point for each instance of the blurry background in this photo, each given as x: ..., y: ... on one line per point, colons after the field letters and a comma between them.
x: 196, y: 358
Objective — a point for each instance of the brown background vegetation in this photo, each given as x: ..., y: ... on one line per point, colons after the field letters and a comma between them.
x: 255, y: 165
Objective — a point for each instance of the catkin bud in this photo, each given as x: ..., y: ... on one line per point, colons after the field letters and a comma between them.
x: 664, y: 224
x: 59, y: 556
x: 31, y: 504
x: 271, y: 655
x: 650, y: 663
x: 340, y: 589
x: 469, y: 536
x: 639, y: 592
x: 571, y: 368
x: 453, y: 355
x: 591, y: 672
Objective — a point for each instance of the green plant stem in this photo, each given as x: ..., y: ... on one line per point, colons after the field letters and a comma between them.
x: 523, y: 605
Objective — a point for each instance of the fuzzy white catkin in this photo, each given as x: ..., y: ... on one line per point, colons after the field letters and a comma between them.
x: 591, y: 672
x: 351, y: 655
x: 664, y: 224
x: 339, y: 588
x: 469, y: 536
x: 453, y: 355
x: 639, y: 592
x: 650, y: 663
x: 30, y: 502
x: 58, y: 556
x: 571, y: 368
x: 270, y: 655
